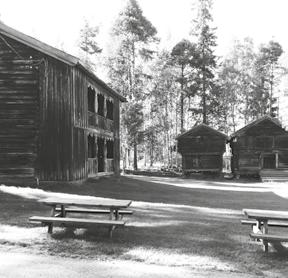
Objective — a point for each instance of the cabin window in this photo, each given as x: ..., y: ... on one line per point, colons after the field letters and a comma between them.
x: 91, y: 147
x: 110, y: 108
x: 91, y: 100
x: 100, y: 99
x: 110, y: 149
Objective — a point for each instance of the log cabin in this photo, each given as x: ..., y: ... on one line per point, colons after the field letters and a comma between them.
x: 202, y: 149
x: 260, y: 148
x: 59, y: 121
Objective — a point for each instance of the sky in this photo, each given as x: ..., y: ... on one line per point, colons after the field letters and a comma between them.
x: 58, y: 22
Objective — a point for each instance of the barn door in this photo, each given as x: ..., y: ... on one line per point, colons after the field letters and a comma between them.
x: 269, y: 161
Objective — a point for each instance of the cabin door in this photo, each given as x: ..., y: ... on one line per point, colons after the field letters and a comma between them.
x: 269, y: 161
x: 100, y: 155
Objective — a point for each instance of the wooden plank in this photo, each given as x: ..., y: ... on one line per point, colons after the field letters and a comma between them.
x: 270, y: 223
x: 76, y: 221
x: 110, y: 203
x: 96, y: 211
x: 266, y: 214
x: 269, y: 237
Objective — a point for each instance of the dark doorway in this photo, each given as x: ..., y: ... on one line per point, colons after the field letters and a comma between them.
x: 100, y: 155
x: 269, y: 161
x: 100, y: 99
x: 91, y: 100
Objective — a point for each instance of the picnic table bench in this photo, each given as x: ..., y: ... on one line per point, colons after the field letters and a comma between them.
x: 61, y: 206
x: 260, y: 220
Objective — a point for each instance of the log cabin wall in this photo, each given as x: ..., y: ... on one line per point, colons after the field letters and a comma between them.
x: 202, y: 149
x: 44, y: 114
x: 19, y: 108
x: 264, y: 145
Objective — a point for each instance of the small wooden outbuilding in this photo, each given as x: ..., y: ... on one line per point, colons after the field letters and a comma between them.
x: 202, y: 149
x: 259, y: 146
x: 58, y: 121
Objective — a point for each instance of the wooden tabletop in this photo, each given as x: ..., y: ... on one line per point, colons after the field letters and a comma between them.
x: 266, y: 214
x: 94, y: 202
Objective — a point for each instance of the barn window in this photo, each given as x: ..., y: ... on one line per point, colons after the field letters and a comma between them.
x: 110, y: 149
x: 91, y: 100
x: 91, y: 147
x: 109, y: 105
x: 100, y: 99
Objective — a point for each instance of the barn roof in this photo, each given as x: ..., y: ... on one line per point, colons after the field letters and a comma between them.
x: 53, y: 52
x: 197, y: 128
x: 244, y: 129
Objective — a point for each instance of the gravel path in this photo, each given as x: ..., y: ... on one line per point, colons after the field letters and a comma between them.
x: 25, y: 265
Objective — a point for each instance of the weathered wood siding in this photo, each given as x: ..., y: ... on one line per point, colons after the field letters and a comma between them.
x: 205, y: 144
x: 85, y: 123
x: 44, y: 116
x: 56, y: 104
x: 202, y: 150
x: 19, y: 107
x: 262, y: 139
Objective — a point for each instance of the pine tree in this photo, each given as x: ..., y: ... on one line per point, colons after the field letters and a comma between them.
x: 268, y: 72
x: 134, y: 35
x: 206, y: 43
x: 88, y: 44
x: 183, y: 56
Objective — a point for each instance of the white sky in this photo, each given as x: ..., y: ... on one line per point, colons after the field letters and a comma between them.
x: 57, y: 22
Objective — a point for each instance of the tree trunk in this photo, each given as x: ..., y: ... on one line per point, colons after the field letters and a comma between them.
x: 204, y: 111
x: 135, y: 157
x: 182, y: 101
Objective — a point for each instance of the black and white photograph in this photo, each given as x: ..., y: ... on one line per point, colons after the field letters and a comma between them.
x: 143, y: 139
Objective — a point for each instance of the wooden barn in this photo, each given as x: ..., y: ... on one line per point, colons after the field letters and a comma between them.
x: 202, y: 149
x: 260, y: 147
x: 59, y: 122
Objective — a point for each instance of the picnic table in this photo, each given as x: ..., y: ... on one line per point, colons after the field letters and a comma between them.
x: 260, y: 220
x: 61, y: 206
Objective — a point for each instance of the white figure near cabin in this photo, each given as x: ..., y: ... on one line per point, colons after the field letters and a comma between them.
x: 227, y: 159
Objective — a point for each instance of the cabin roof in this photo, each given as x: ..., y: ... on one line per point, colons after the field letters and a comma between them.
x: 244, y: 129
x: 55, y: 53
x: 197, y: 128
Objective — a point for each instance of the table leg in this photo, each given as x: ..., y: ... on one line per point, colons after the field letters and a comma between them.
x: 116, y: 214
x: 53, y: 210
x: 111, y: 216
x: 265, y: 231
x: 63, y: 212
x: 50, y: 225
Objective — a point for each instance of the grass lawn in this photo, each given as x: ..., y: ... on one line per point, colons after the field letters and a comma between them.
x: 176, y: 222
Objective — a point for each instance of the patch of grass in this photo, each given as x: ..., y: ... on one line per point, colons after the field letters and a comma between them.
x: 161, y: 230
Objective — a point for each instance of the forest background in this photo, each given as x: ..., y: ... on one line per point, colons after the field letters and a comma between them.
x: 171, y: 88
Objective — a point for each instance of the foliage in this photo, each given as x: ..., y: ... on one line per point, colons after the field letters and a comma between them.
x: 267, y: 73
x: 170, y: 90
x: 206, y: 64
x: 235, y: 77
x: 134, y: 34
x: 184, y: 56
x: 88, y: 44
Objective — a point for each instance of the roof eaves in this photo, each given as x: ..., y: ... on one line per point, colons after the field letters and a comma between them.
x: 38, y: 45
x: 255, y: 122
x: 100, y: 82
x: 199, y: 126
x: 55, y: 53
